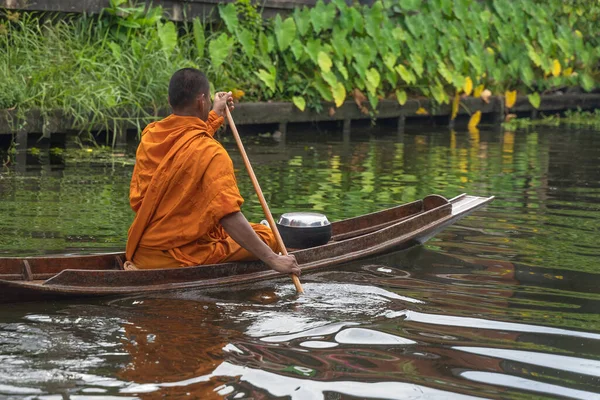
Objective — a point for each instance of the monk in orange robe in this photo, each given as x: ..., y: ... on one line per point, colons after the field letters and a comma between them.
x: 184, y: 192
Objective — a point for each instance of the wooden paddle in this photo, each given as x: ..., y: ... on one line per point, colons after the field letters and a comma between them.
x: 260, y: 195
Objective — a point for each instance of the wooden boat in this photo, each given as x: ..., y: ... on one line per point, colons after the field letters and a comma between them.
x: 40, y: 278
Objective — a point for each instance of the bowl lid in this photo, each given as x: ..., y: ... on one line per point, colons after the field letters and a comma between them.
x: 303, y: 219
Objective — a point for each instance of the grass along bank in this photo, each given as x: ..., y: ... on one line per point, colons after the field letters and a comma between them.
x: 114, y: 68
x: 572, y: 118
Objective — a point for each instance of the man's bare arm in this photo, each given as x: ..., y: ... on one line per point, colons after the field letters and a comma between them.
x: 238, y: 227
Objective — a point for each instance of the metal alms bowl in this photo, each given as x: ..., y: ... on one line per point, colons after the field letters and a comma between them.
x: 301, y: 230
x: 303, y: 219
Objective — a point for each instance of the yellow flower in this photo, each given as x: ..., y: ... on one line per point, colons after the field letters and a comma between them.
x: 455, y: 105
x: 478, y: 91
x: 474, y: 120
x: 556, y: 68
x: 468, y: 86
x: 237, y: 94
x: 510, y: 98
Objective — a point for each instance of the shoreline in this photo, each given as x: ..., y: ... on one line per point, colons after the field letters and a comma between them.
x: 283, y: 113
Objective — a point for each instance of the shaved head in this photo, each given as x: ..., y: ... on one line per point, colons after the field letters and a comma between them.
x: 185, y: 88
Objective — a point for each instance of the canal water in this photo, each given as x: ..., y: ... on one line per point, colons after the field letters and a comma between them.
x: 504, y: 304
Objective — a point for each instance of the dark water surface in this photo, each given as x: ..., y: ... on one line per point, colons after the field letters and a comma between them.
x: 505, y: 304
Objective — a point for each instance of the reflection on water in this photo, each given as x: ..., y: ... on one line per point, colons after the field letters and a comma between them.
x: 486, y: 339
x: 504, y: 305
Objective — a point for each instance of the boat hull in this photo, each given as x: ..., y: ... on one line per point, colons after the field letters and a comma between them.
x: 100, y: 275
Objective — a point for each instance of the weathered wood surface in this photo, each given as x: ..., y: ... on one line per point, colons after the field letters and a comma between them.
x: 177, y: 10
x: 98, y: 275
x: 284, y: 112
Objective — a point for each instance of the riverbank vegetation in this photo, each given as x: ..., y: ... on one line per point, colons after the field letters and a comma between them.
x: 114, y: 68
x: 570, y: 118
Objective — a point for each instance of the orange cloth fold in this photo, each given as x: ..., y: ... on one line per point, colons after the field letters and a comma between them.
x: 183, y: 183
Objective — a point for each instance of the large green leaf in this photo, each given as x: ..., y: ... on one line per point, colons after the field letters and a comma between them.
x: 389, y: 60
x: 299, y: 102
x: 323, y: 89
x: 340, y: 43
x: 246, y: 38
x: 446, y: 7
x: 373, y: 80
x: 587, y: 82
x: 271, y: 43
x: 410, y: 5
x: 330, y: 78
x: 438, y: 93
x: 417, y: 64
x: 168, y: 37
x: 363, y: 52
x: 285, y: 32
x: 302, y: 18
x: 533, y: 55
x: 339, y: 94
x: 229, y: 14
x: 291, y: 65
x: 317, y: 17
x: 401, y: 96
x: 527, y: 75
x: 373, y: 19
x: 324, y: 61
x: 341, y: 5
x: 476, y: 62
x: 359, y: 24
x: 406, y: 75
x: 128, y: 23
x: 218, y: 49
x: 461, y: 10
x: 458, y: 80
x: 360, y: 70
x: 346, y: 21
x: 297, y: 49
x: 399, y: 34
x: 268, y: 77
x: 322, y: 16
x: 535, y: 100
x: 503, y: 9
x: 263, y: 43
x: 342, y: 68
x: 313, y: 47
x: 391, y: 77
x: 443, y: 71
x: 373, y: 100
x: 199, y: 37
x: 154, y: 15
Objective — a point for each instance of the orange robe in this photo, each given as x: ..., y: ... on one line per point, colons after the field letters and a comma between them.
x: 183, y: 183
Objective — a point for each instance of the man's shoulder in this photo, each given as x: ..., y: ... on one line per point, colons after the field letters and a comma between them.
x: 207, y: 146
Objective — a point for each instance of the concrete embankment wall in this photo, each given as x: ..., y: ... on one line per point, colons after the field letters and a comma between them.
x: 283, y: 113
x: 177, y: 10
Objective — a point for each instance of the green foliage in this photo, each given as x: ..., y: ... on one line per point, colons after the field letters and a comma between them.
x: 229, y: 14
x: 199, y: 36
x: 285, y: 32
x: 97, y: 69
x: 575, y: 118
x: 268, y: 78
x: 299, y: 102
x: 219, y: 48
x: 535, y: 100
x: 168, y: 36
x: 11, y: 92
